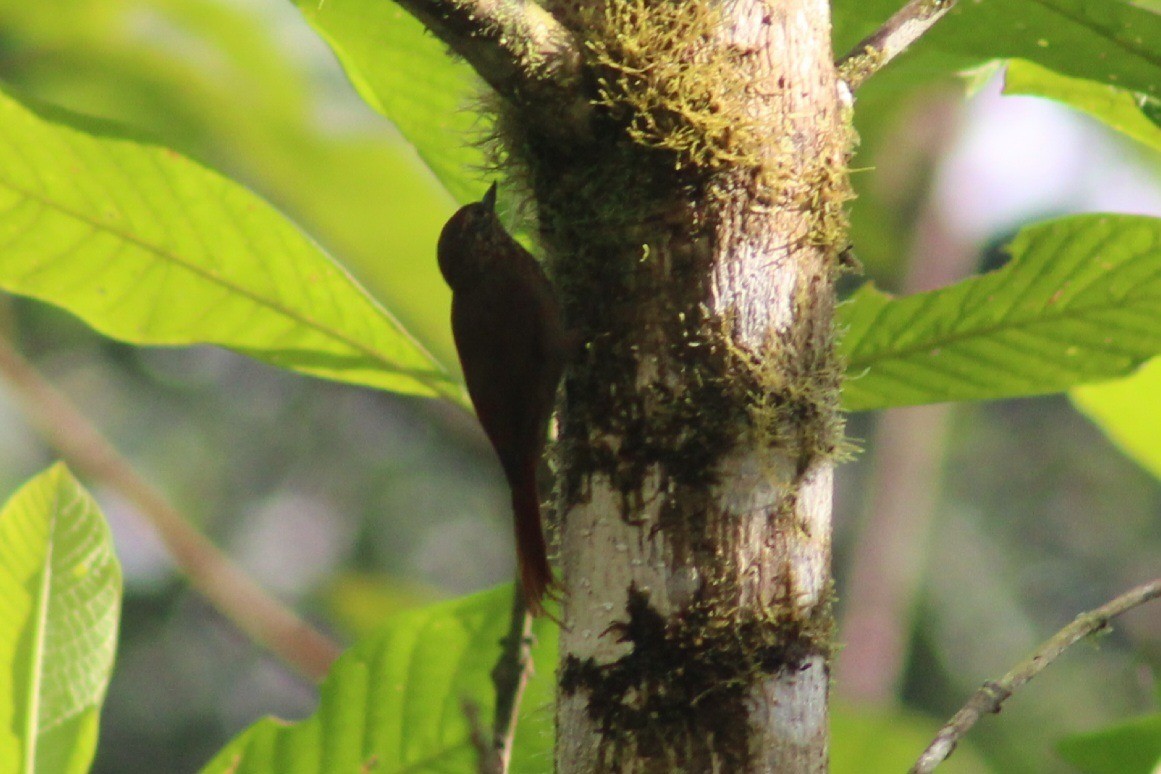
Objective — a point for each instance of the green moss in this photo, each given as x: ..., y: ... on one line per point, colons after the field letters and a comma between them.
x: 858, y: 68
x: 663, y: 74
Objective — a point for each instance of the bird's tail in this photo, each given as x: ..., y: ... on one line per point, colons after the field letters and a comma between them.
x: 531, y: 551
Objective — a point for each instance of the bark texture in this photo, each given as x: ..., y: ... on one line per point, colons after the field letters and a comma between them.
x: 695, y: 242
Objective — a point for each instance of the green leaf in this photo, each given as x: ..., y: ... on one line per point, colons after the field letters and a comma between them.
x: 1079, y: 302
x: 406, y: 74
x: 151, y: 248
x: 1110, y: 41
x: 1129, y: 412
x: 884, y: 741
x: 221, y: 71
x: 60, y: 599
x: 234, y: 94
x: 394, y: 702
x: 1117, y: 108
x: 1129, y: 748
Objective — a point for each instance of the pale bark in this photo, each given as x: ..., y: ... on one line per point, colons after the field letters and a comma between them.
x: 695, y: 536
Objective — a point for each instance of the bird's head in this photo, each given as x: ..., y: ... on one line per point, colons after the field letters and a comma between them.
x: 462, y: 249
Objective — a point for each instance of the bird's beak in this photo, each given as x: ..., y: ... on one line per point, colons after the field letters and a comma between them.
x: 489, y: 200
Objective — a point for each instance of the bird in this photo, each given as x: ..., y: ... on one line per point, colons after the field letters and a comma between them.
x: 512, y: 344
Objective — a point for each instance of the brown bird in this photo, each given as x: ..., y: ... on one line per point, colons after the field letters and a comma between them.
x: 512, y: 344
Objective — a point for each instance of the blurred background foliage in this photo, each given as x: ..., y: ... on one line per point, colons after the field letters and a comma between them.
x: 350, y: 504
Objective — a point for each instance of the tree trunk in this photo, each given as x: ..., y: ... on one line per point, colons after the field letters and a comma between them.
x: 695, y: 241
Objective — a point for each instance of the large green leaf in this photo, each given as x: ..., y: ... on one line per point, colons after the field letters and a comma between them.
x: 1079, y: 302
x: 1129, y: 411
x: 235, y: 93
x: 151, y: 248
x: 394, y: 702
x: 1110, y: 41
x: 60, y: 599
x: 1129, y: 748
x: 1117, y: 108
x: 407, y: 75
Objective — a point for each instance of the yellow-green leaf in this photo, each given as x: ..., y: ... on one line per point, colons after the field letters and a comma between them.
x: 152, y: 248
x: 1079, y: 302
x: 60, y: 600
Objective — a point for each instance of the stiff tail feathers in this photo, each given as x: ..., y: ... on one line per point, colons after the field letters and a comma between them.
x: 531, y: 550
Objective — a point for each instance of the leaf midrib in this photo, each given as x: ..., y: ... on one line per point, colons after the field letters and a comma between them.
x: 39, y: 635
x: 435, y: 380
x: 976, y: 332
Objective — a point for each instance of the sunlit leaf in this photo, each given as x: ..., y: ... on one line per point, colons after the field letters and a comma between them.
x: 151, y: 248
x: 408, y: 76
x: 1129, y: 411
x: 1079, y: 302
x: 220, y: 83
x: 60, y: 600
x: 394, y: 702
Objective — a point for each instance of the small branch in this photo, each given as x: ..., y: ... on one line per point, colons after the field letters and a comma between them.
x: 521, y: 51
x: 234, y: 594
x: 991, y: 696
x: 510, y: 676
x: 486, y: 761
x: 873, y: 53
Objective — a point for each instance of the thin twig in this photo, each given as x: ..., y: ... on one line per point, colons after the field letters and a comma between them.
x: 265, y: 620
x: 522, y: 51
x: 486, y: 760
x: 873, y: 52
x: 992, y: 695
x: 510, y: 676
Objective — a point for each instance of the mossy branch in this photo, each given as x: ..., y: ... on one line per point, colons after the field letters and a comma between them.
x: 521, y: 50
x: 873, y: 52
x: 992, y: 695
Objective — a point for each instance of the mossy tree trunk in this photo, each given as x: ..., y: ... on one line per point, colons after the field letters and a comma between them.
x: 687, y: 159
x: 695, y: 244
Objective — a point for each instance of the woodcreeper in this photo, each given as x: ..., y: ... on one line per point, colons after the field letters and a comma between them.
x: 512, y: 344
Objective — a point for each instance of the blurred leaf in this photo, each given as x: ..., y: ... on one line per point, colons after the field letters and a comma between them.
x: 382, y: 218
x: 1079, y: 302
x: 1110, y: 41
x: 864, y: 740
x: 151, y: 248
x: 231, y: 85
x: 1129, y: 748
x: 407, y: 75
x: 60, y: 601
x: 1115, y: 107
x: 201, y: 74
x: 1129, y: 412
x: 395, y: 699
x: 358, y: 603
